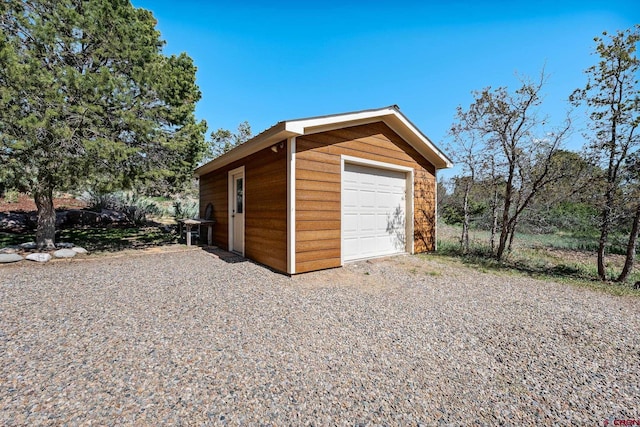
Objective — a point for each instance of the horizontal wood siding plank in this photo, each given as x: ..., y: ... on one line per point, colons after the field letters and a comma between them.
x: 314, y: 245
x: 318, y: 206
x: 303, y: 267
x: 317, y: 225
x: 303, y: 184
x: 260, y: 222
x: 302, y: 236
x: 313, y: 165
x: 318, y: 254
x: 330, y: 196
x: 265, y: 245
x: 267, y: 214
x: 259, y: 232
x: 318, y: 156
x: 317, y: 176
x: 312, y: 215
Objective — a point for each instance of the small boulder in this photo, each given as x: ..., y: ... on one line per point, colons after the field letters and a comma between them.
x: 64, y: 245
x: 79, y: 250
x: 7, y: 258
x: 38, y: 257
x: 28, y: 245
x: 9, y: 250
x: 64, y: 253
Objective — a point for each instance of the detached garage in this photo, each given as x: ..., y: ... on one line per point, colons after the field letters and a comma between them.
x: 315, y: 193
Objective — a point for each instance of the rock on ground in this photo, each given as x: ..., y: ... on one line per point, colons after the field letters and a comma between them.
x: 6, y: 258
x: 65, y: 253
x: 39, y: 257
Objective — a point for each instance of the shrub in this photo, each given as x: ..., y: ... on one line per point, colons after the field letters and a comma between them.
x: 185, y: 209
x: 136, y: 208
x: 11, y: 196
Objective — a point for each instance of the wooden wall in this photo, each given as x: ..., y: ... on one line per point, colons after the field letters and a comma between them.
x: 265, y: 207
x: 318, y: 202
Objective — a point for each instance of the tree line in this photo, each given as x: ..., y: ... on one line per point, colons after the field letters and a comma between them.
x: 517, y: 174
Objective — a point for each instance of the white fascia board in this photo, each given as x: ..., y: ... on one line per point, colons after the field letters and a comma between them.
x: 326, y: 123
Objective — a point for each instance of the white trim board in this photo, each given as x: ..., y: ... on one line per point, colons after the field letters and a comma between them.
x: 291, y: 205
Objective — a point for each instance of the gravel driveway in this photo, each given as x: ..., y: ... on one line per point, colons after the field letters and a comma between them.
x: 197, y: 338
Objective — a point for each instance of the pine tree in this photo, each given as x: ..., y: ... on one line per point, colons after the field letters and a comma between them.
x: 88, y: 98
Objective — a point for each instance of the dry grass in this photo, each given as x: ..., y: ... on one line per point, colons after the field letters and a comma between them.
x: 543, y: 256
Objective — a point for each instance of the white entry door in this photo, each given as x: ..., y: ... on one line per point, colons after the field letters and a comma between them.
x: 374, y: 204
x: 237, y: 212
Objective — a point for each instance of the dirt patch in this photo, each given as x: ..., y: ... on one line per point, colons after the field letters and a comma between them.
x: 25, y: 203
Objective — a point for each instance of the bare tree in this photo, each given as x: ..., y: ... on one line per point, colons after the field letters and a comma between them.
x: 468, y: 153
x: 517, y: 147
x: 612, y: 97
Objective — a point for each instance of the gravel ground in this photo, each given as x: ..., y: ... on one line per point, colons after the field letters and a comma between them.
x: 197, y: 338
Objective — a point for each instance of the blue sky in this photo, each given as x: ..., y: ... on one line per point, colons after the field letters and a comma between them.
x: 273, y: 61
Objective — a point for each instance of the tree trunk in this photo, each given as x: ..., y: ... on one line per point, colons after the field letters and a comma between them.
x: 631, y: 248
x: 602, y: 242
x: 512, y: 233
x: 604, y: 235
x: 504, y: 227
x: 46, y: 230
x: 464, y: 239
x: 494, y: 218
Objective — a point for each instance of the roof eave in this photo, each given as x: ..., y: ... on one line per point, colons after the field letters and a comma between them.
x: 290, y: 128
x: 263, y: 140
x: 422, y: 144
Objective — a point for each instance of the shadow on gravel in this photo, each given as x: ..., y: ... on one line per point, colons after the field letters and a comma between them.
x: 233, y: 258
x: 228, y: 257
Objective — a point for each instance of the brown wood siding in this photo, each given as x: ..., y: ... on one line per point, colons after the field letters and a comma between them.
x: 265, y: 210
x: 318, y: 189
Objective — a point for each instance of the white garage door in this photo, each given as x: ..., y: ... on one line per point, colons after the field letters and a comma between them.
x: 373, y: 212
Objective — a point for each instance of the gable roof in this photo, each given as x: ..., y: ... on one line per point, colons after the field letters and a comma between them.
x: 391, y: 116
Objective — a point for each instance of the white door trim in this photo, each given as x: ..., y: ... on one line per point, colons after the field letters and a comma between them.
x: 409, y: 244
x: 231, y: 203
x: 291, y: 205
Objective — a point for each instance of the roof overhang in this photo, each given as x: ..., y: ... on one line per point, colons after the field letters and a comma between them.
x: 391, y: 116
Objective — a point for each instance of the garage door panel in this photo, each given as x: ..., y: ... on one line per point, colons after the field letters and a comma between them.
x: 367, y: 198
x: 350, y: 223
x: 373, y: 206
x: 350, y: 197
